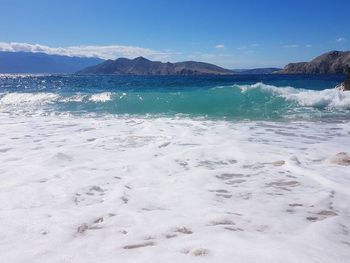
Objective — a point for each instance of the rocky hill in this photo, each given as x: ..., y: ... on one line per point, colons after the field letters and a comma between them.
x: 334, y: 62
x: 143, y: 66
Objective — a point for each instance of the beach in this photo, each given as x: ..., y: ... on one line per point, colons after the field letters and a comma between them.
x: 170, y: 189
x: 106, y: 169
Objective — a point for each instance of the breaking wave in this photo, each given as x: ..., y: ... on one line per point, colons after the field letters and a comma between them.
x: 257, y: 101
x: 328, y: 98
x: 39, y: 98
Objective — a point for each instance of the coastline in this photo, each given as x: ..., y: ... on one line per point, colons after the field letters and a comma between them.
x: 174, y: 132
x: 133, y: 189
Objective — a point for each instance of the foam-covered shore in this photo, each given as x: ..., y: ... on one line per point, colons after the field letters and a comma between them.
x: 118, y: 189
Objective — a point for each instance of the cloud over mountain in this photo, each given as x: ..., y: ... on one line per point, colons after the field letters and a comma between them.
x: 105, y: 52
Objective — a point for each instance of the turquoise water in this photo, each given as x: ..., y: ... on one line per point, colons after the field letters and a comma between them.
x: 254, y: 97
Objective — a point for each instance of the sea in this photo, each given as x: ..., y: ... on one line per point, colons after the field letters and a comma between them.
x: 242, y: 168
x: 236, y: 98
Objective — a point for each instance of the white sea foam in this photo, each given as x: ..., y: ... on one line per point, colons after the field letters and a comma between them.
x: 75, y: 98
x: 17, y: 98
x: 328, y: 98
x: 101, y: 97
x: 115, y: 189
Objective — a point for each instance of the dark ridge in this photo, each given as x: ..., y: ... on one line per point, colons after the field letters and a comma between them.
x: 333, y: 62
x: 145, y: 67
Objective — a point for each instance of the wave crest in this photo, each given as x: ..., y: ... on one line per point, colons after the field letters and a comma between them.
x: 328, y: 98
x: 257, y: 101
x: 101, y: 97
x: 29, y: 98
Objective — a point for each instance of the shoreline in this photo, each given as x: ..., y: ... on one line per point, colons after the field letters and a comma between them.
x: 175, y: 189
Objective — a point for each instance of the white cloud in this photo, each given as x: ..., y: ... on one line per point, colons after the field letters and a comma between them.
x: 105, y: 52
x: 248, y: 46
x: 308, y: 45
x: 220, y: 46
x: 340, y: 39
x: 291, y: 46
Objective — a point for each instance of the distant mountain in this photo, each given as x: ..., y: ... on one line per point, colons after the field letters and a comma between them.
x: 28, y: 62
x: 256, y: 71
x: 143, y: 66
x: 329, y: 63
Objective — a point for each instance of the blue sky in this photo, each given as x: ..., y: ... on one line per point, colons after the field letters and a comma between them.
x: 233, y: 34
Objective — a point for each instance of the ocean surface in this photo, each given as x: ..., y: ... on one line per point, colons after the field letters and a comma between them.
x: 174, y: 169
x: 252, y: 97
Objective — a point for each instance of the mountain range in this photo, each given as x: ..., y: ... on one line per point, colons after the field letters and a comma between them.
x: 333, y: 62
x: 29, y: 62
x: 143, y: 66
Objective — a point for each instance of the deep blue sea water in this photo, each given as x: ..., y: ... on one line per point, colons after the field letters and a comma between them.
x: 243, y: 97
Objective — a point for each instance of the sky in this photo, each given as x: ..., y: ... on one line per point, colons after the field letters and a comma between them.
x: 232, y: 34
